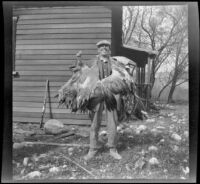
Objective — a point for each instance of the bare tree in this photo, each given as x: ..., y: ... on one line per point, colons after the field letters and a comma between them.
x: 156, y: 28
x: 130, y: 18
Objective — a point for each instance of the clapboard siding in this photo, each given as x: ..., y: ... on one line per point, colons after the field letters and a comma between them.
x: 42, y: 78
x: 47, y: 40
x: 65, y: 16
x: 62, y: 26
x: 63, y: 31
x: 52, y: 51
x: 57, y: 41
x: 63, y: 21
x: 70, y: 10
x: 44, y: 62
x: 57, y: 46
x: 43, y: 67
x: 63, y: 36
x: 52, y: 56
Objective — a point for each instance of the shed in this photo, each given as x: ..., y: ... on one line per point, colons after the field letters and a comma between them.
x: 45, y: 41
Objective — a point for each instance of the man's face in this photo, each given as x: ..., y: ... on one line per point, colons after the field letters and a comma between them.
x: 104, y: 50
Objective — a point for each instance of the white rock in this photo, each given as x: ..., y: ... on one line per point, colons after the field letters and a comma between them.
x: 183, y: 178
x: 162, y: 141
x: 141, y: 128
x: 174, y: 117
x: 150, y: 120
x: 53, y: 126
x: 103, y: 132
x: 70, y: 151
x: 132, y: 126
x: 153, y: 161
x: 18, y: 145
x: 155, y: 131
x: 119, y: 128
x: 33, y: 174
x: 176, y: 137
x: 22, y: 171
x: 165, y: 170
x: 186, y: 134
x: 186, y: 170
x: 25, y: 161
x: 54, y: 169
x: 179, y: 121
x: 35, y: 158
x: 153, y: 148
x: 160, y: 127
x: 175, y: 148
x: 170, y: 114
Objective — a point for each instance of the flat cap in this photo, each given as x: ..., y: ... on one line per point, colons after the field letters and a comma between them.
x: 103, y: 42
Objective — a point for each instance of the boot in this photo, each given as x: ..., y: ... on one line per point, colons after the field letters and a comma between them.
x: 91, y: 154
x: 114, y: 154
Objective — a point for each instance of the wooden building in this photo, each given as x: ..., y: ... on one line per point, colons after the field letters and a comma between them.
x: 45, y: 42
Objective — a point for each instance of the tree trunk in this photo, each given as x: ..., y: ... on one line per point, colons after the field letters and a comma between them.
x: 161, y: 91
x: 171, y: 92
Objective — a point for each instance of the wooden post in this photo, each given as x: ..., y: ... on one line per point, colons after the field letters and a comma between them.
x: 148, y: 82
x: 142, y: 82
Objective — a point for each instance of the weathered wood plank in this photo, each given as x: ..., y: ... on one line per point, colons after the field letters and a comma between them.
x: 55, y: 67
x: 43, y: 78
x: 34, y: 88
x: 53, y: 51
x: 63, y: 31
x: 57, y: 7
x: 63, y: 21
x: 65, y: 36
x: 58, y: 41
x: 57, y: 46
x: 31, y: 99
x: 33, y: 93
x: 52, y: 57
x: 59, y: 11
x: 52, y: 63
x: 46, y: 62
x: 64, y: 26
x: 36, y: 84
x: 66, y: 15
x: 30, y: 110
x: 36, y: 112
x: 46, y: 73
x: 69, y: 115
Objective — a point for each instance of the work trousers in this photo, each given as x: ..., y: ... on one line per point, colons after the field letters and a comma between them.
x: 111, y: 119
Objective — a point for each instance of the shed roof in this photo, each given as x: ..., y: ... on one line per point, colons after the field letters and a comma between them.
x: 148, y: 51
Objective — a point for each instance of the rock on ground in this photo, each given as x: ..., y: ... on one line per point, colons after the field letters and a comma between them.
x: 33, y: 174
x: 153, y: 148
x: 176, y: 137
x: 53, y: 126
x: 153, y: 161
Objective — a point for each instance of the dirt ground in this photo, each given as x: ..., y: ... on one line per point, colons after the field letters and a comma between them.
x: 156, y: 148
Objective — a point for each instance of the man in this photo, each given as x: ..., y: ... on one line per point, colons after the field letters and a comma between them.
x: 103, y: 61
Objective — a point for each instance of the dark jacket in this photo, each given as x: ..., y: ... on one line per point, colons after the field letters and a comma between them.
x: 104, y: 68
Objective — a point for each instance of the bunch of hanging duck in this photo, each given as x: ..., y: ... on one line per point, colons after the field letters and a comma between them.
x: 85, y: 89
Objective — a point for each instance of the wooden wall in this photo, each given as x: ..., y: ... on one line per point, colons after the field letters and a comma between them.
x: 47, y: 40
